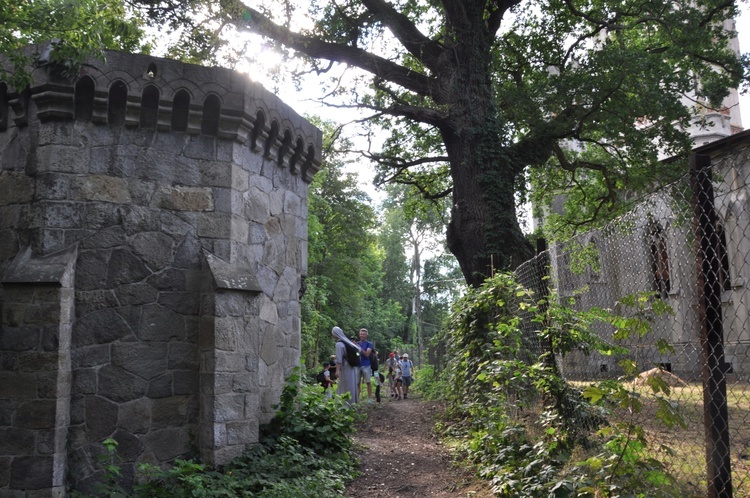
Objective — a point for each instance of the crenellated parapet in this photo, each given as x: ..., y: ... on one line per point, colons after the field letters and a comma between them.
x: 139, y: 91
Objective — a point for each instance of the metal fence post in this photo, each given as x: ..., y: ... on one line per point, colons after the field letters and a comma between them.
x: 715, y: 413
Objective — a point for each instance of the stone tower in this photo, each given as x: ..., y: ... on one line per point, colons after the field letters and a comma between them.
x: 153, y: 246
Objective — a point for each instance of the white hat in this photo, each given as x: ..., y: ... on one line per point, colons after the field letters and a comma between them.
x: 406, y: 355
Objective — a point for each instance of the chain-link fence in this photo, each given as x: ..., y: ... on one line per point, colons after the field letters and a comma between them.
x: 689, y: 245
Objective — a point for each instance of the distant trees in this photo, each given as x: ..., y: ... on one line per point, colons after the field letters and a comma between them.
x: 345, y: 279
x: 365, y: 269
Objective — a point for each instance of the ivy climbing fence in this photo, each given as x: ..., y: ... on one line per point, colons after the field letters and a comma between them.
x: 688, y: 245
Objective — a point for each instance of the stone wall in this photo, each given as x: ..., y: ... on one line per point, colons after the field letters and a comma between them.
x: 153, y: 238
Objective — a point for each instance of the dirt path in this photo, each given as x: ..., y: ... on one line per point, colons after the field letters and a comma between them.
x: 402, y: 457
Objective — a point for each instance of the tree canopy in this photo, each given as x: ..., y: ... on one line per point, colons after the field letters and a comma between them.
x: 477, y: 96
x: 78, y: 30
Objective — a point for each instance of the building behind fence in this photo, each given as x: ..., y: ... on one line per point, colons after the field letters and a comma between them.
x: 696, y: 259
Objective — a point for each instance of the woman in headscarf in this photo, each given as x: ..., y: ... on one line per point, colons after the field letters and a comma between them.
x: 346, y: 374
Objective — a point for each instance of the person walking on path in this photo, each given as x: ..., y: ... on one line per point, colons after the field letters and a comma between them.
x: 398, y: 383
x: 365, y: 371
x: 406, y: 373
x: 390, y: 370
x: 346, y: 374
x: 375, y: 366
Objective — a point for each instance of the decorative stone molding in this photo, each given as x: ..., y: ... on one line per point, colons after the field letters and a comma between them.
x: 242, y: 103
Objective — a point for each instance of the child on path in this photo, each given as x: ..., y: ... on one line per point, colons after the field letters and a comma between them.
x: 398, y: 382
x: 324, y: 379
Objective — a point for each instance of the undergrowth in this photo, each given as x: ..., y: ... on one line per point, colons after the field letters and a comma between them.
x: 530, y: 433
x: 304, y: 451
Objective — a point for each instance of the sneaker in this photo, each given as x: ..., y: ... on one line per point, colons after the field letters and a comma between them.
x: 405, y: 396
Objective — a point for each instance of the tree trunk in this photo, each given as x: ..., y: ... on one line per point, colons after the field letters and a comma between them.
x: 484, y: 234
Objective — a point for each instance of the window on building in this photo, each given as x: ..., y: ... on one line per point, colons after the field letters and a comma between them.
x: 211, y: 114
x: 659, y: 261
x: 84, y: 99
x: 149, y: 107
x: 117, y: 103
x: 723, y: 257
x: 180, y: 110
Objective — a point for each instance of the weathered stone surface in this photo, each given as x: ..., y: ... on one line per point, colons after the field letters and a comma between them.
x: 62, y: 158
x: 61, y: 214
x: 91, y: 270
x: 136, y: 294
x: 90, y: 356
x: 135, y: 416
x: 160, y: 324
x: 31, y: 472
x: 130, y: 447
x: 242, y: 432
x: 49, y: 442
x: 185, y: 382
x: 169, y: 280
x: 184, y: 303
x: 169, y: 412
x: 147, y: 361
x: 185, y: 198
x: 183, y: 356
x: 101, y: 418
x: 99, y: 327
x: 101, y: 215
x: 124, y: 268
x: 118, y: 385
x: 140, y: 219
x: 269, y: 312
x: 270, y: 346
x: 84, y: 381
x: 8, y: 361
x: 36, y: 414
x: 38, y: 361
x: 169, y: 443
x: 257, y: 207
x: 100, y: 188
x: 17, y: 441
x: 160, y: 387
x: 5, y: 462
x: 228, y: 407
x: 154, y: 248
x: 15, y: 338
x: 15, y: 187
x: 52, y: 186
x: 105, y: 238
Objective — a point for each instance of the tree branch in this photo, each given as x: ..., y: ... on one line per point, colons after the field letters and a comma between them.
x: 253, y: 20
x: 497, y: 9
x: 420, y: 46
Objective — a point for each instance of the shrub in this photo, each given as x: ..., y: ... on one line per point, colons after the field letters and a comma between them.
x: 530, y: 432
x: 305, y: 451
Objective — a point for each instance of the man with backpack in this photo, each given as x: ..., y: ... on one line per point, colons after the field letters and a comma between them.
x: 347, y: 364
x: 365, y: 371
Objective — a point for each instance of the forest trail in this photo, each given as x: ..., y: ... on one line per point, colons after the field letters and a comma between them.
x: 402, y: 457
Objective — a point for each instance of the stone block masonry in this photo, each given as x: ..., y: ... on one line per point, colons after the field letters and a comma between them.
x: 153, y: 226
